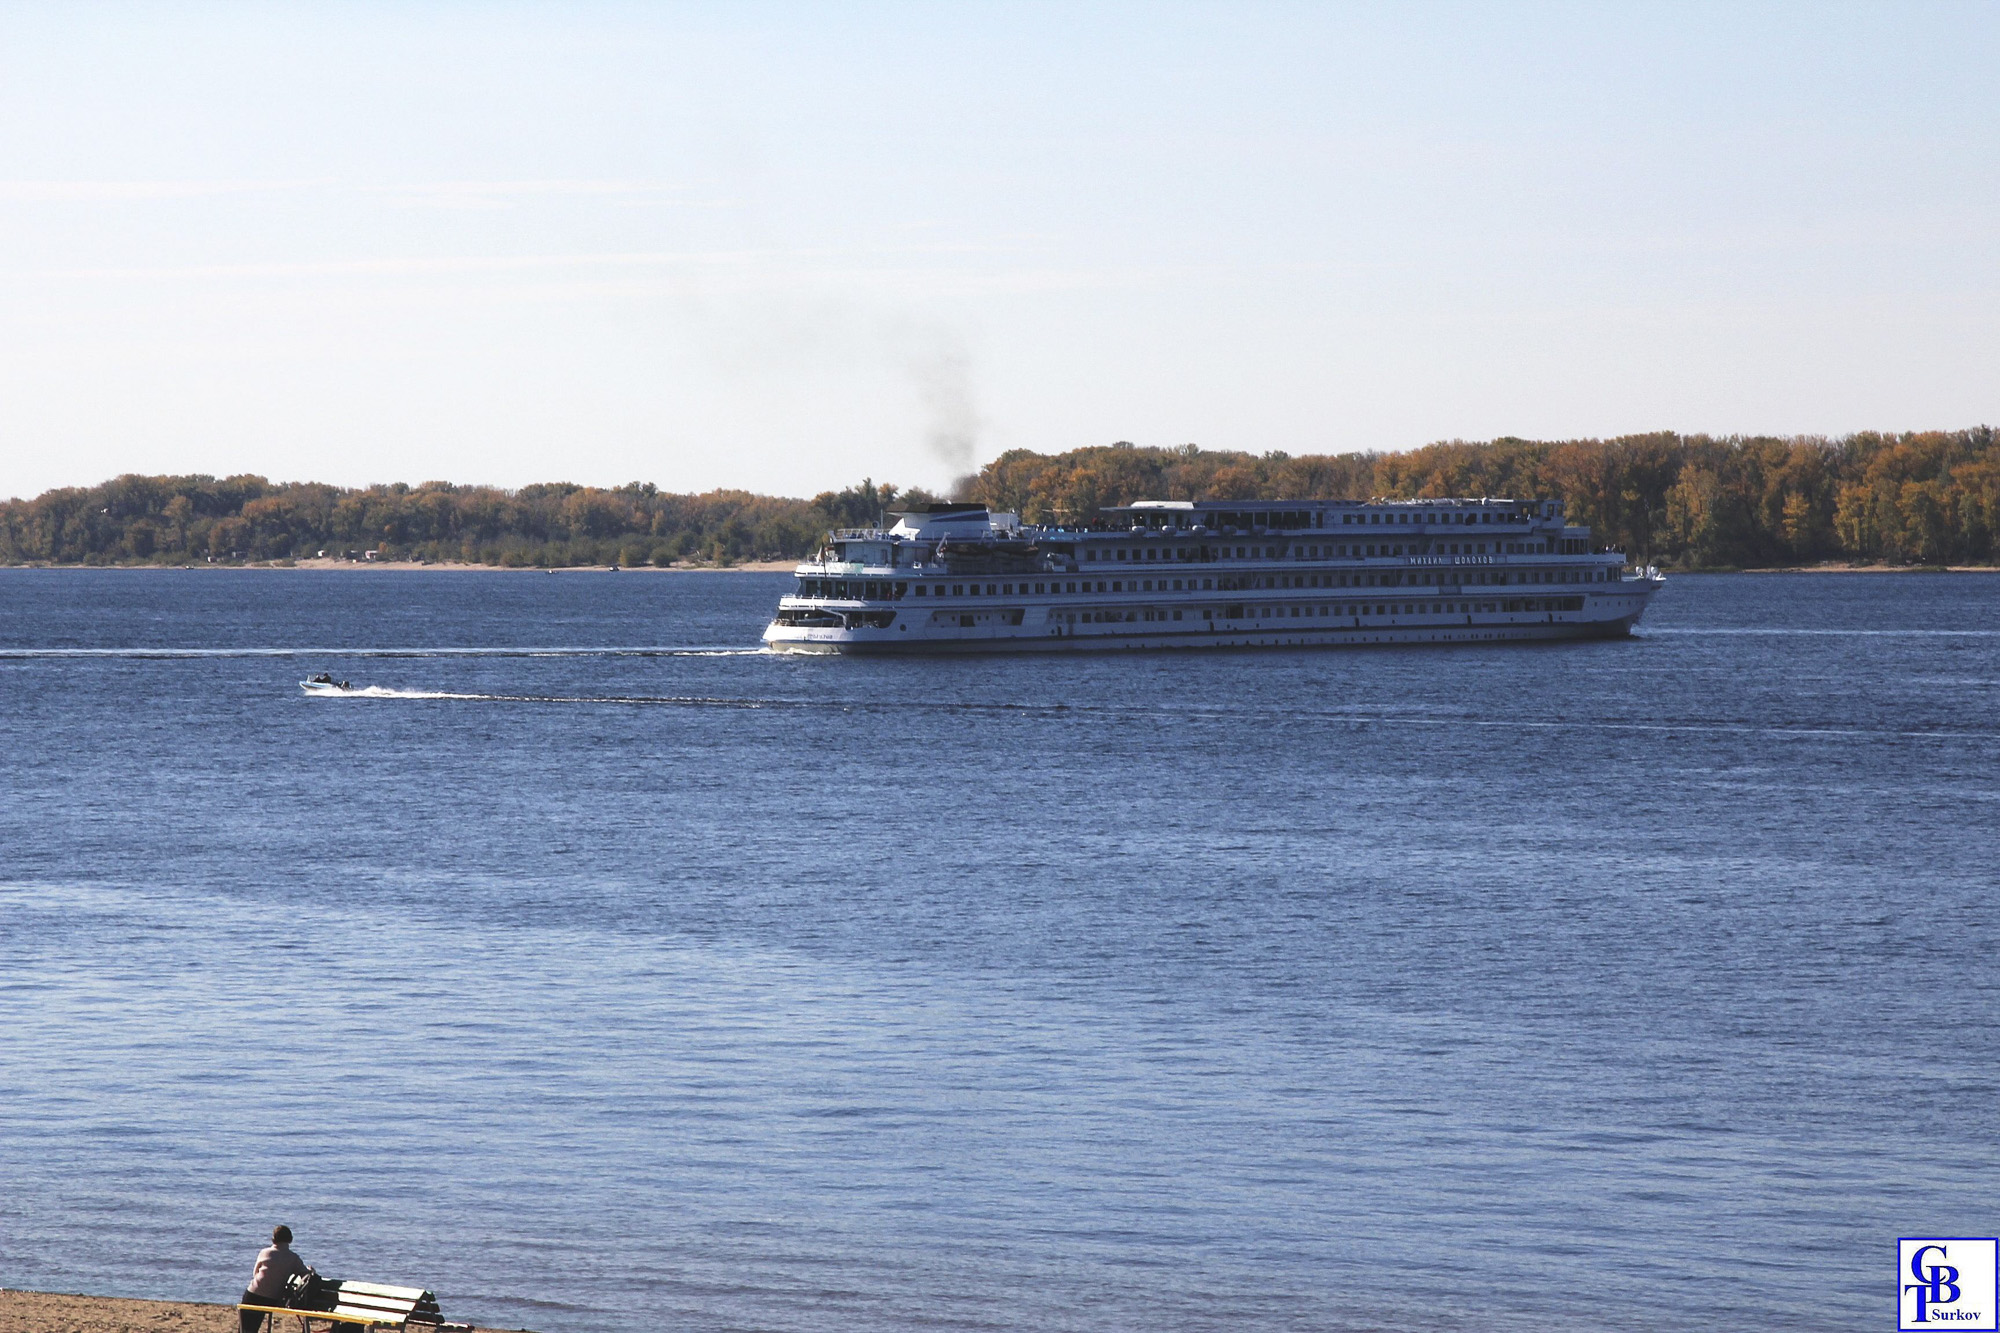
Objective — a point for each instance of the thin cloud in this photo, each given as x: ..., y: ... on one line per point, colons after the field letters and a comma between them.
x: 121, y: 192
x: 829, y: 263
x: 420, y: 266
x: 477, y: 194
x: 448, y: 193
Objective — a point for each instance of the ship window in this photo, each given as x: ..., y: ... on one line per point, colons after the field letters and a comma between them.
x: 920, y: 590
x: 1177, y: 585
x: 989, y: 590
x: 1089, y: 555
x: 1322, y: 610
x: 958, y: 590
x: 1072, y: 587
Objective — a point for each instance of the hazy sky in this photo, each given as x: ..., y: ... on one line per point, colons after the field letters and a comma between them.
x: 780, y: 247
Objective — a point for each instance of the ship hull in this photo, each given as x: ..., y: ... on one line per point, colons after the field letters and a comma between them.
x: 887, y: 641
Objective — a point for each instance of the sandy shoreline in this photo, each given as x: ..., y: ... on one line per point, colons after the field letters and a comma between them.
x: 747, y: 567
x: 1859, y: 569
x: 787, y: 566
x: 55, y: 1312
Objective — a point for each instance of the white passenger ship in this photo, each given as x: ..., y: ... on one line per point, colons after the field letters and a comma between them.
x: 1212, y: 574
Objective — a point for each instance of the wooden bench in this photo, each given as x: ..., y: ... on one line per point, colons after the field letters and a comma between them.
x: 356, y: 1306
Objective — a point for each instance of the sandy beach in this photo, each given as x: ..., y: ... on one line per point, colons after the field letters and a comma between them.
x: 746, y: 567
x: 55, y: 1312
x: 1835, y: 568
x: 787, y: 566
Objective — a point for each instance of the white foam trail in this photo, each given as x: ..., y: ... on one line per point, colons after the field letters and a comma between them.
x: 678, y: 700
x: 383, y: 692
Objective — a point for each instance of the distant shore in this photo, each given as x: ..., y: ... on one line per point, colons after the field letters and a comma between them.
x: 56, y: 1312
x: 787, y: 566
x: 745, y: 567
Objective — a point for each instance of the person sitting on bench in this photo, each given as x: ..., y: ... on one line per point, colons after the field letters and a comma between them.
x: 276, y: 1265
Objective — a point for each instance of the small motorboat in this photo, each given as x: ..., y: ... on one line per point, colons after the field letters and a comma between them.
x: 325, y: 684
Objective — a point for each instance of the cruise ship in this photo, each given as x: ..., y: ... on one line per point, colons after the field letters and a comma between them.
x: 1211, y: 574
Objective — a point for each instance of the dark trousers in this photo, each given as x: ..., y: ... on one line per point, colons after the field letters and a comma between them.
x: 249, y: 1321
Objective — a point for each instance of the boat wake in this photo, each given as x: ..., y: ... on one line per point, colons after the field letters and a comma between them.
x: 676, y: 700
x: 177, y: 653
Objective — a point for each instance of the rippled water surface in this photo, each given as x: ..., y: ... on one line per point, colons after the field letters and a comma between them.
x: 600, y: 976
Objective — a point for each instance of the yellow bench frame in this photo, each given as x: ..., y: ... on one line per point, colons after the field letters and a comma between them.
x: 305, y: 1317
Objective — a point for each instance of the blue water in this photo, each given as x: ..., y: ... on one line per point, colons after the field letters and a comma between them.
x: 1634, y: 985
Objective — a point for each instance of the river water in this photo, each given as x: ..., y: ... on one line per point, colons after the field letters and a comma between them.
x: 601, y: 975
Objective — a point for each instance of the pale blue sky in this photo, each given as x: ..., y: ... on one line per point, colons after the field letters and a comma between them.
x: 779, y: 247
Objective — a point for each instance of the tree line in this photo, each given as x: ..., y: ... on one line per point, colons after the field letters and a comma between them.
x: 200, y: 519
x: 1688, y: 501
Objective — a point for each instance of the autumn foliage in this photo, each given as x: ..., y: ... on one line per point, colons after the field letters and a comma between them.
x: 196, y: 519
x: 1928, y: 497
